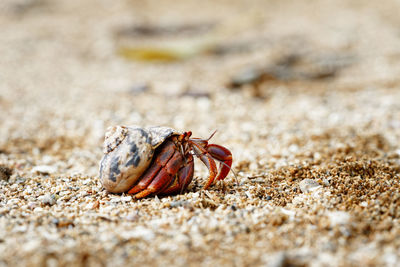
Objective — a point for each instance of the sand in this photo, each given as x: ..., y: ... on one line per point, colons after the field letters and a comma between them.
x: 304, y: 94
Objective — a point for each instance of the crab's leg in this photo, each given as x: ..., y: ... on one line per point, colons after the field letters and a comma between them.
x: 207, y: 160
x: 164, y: 176
x: 182, y: 178
x: 161, y: 159
x: 222, y: 154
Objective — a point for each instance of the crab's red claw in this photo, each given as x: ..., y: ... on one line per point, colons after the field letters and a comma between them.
x: 208, y: 161
x: 223, y: 155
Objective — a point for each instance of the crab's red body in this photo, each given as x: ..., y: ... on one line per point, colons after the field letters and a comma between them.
x: 171, y: 169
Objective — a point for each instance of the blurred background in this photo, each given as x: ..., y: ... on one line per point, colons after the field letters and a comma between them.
x: 285, y: 83
x: 70, y: 69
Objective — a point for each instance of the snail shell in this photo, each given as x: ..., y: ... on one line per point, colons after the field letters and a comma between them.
x: 128, y: 152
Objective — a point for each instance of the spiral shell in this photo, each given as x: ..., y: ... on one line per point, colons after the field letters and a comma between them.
x: 128, y: 152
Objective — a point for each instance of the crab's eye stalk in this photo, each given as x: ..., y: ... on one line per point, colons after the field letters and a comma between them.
x: 184, y: 136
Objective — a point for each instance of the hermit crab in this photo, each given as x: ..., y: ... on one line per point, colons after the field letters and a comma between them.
x: 157, y: 160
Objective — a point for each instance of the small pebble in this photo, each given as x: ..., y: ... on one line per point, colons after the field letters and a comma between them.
x: 138, y: 88
x: 5, y: 173
x: 95, y: 205
x: 132, y: 217
x: 44, y: 169
x: 139, y: 232
x: 308, y: 185
x: 32, y: 205
x: 47, y: 199
x: 38, y: 209
x: 178, y: 203
x: 126, y: 198
x: 278, y: 260
x: 338, y: 218
x: 63, y: 223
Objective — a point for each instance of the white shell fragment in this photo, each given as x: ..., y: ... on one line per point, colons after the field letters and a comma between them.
x: 308, y: 185
x: 128, y: 152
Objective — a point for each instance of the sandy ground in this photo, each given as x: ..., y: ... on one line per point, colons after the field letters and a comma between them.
x: 305, y: 95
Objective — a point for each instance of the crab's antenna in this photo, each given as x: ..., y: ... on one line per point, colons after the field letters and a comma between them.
x: 211, y: 135
x: 200, y: 139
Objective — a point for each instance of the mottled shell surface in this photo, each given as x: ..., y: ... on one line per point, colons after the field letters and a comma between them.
x: 160, y: 133
x: 128, y: 152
